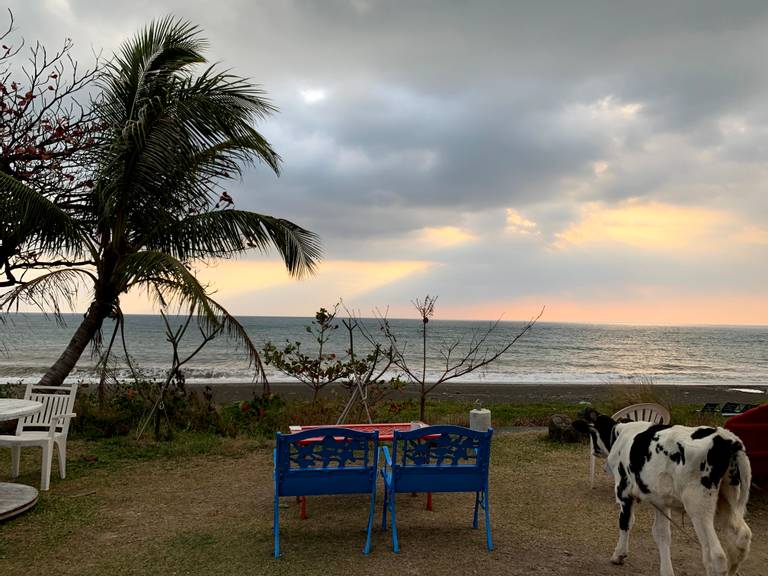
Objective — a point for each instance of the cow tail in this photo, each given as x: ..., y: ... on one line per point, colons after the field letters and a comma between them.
x: 736, y: 483
x: 745, y: 472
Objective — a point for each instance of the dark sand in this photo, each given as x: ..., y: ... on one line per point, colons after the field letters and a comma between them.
x: 490, y: 393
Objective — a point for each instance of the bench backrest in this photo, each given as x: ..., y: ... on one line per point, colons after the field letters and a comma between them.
x: 326, y: 461
x: 441, y: 459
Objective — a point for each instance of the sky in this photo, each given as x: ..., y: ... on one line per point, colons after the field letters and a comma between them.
x: 604, y: 160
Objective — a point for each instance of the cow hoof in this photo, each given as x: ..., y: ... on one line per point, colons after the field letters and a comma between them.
x: 619, y: 559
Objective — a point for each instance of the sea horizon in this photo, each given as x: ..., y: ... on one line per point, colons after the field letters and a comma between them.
x: 502, y: 319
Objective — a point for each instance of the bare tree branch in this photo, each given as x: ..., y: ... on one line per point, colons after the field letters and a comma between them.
x: 478, y: 354
x: 46, y: 138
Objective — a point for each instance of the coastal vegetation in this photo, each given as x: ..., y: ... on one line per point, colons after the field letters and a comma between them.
x: 360, y: 371
x: 127, y: 406
x: 388, y: 362
x: 149, y: 161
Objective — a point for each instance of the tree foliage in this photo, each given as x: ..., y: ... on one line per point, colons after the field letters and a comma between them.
x: 318, y: 368
x: 170, y: 133
x: 46, y: 134
x: 361, y: 372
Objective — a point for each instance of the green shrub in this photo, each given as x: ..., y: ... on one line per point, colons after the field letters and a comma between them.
x: 261, y: 416
x: 126, y: 408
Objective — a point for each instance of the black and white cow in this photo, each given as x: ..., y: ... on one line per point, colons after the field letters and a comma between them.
x: 704, y: 470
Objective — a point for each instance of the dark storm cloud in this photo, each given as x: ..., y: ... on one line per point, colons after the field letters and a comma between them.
x: 480, y: 89
x: 473, y: 153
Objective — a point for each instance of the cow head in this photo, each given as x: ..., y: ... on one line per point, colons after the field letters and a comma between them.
x: 600, y: 430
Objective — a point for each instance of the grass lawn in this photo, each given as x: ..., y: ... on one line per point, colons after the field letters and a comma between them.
x: 203, y: 505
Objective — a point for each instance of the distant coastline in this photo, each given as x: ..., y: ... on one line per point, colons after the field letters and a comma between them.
x: 514, y: 393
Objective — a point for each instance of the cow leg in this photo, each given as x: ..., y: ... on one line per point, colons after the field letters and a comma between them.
x: 740, y: 541
x: 700, y: 507
x: 736, y: 536
x: 662, y: 534
x: 626, y: 520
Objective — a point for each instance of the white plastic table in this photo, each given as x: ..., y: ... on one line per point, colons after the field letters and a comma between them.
x: 16, y: 498
x: 12, y: 408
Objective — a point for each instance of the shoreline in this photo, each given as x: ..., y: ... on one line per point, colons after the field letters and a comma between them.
x: 491, y: 393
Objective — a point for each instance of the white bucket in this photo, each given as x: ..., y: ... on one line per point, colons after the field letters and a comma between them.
x: 480, y: 419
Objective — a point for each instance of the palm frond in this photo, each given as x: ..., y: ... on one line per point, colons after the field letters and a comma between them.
x: 29, y: 218
x: 47, y: 292
x: 168, y: 281
x: 158, y: 266
x: 162, y: 48
x: 234, y: 330
x: 217, y: 107
x: 175, y: 136
x: 136, y: 87
x: 225, y: 232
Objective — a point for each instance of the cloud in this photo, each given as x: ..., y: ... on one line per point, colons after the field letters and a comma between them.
x: 646, y: 225
x: 60, y: 8
x: 662, y: 227
x: 313, y: 95
x: 446, y: 236
x: 630, y: 137
x: 752, y: 234
x: 517, y: 224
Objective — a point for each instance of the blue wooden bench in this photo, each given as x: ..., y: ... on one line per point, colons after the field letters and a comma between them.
x: 437, y: 459
x: 325, y: 461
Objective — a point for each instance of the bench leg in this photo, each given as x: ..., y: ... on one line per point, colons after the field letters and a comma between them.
x: 395, y: 545
x: 384, y: 509
x: 303, y: 507
x: 367, y: 548
x: 477, y: 503
x: 276, y: 526
x: 487, y: 508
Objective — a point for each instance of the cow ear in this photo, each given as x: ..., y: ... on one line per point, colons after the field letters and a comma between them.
x: 581, y: 426
x: 589, y: 414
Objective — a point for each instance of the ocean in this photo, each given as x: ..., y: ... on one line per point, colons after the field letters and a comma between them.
x: 551, y: 353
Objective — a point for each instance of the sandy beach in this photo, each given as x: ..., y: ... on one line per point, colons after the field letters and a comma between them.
x: 490, y: 393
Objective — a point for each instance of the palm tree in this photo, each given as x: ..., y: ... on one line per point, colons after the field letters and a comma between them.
x: 171, y: 132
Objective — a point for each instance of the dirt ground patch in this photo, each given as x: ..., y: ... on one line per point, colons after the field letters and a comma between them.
x: 212, y: 514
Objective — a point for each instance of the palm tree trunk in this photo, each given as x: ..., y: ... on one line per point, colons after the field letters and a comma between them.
x: 91, y: 324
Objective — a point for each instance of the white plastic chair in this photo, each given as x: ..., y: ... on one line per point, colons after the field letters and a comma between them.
x: 646, y: 412
x: 46, y: 429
